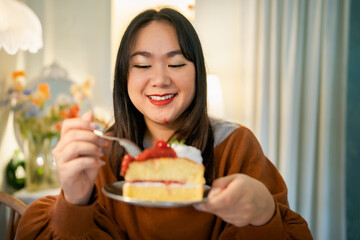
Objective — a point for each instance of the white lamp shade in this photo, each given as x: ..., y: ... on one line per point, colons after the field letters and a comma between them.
x: 215, y: 97
x: 20, y: 28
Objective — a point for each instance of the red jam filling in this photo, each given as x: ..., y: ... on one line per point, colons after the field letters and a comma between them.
x: 160, y: 150
x: 168, y: 182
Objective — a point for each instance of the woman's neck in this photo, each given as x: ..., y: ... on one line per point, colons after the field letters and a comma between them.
x: 156, y: 131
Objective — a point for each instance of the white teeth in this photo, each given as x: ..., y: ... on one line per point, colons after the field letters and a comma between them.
x: 158, y: 98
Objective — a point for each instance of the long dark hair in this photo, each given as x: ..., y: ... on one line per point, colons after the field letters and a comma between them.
x: 129, y: 122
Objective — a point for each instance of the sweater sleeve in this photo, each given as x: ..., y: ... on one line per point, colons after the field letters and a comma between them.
x: 52, y: 217
x: 285, y: 224
x: 243, y: 154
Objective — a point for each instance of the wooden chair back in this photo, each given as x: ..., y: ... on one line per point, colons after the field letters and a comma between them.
x: 17, y: 208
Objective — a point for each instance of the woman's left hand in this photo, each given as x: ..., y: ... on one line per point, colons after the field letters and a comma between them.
x: 242, y: 200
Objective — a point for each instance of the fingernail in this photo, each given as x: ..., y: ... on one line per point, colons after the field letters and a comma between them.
x: 199, y: 207
x: 103, y: 142
x: 103, y: 151
x: 102, y: 163
x: 213, y: 192
x: 94, y: 126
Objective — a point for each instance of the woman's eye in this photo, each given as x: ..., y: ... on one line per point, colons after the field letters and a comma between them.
x: 177, y: 65
x: 142, y: 66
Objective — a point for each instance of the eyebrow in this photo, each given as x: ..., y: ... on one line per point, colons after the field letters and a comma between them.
x: 173, y: 53
x: 147, y: 54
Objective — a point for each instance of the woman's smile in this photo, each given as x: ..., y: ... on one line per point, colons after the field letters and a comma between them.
x: 160, y: 100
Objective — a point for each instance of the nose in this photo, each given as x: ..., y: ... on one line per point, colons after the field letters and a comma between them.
x: 160, y: 76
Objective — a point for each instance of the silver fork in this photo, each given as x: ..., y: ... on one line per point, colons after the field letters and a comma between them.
x: 129, y: 146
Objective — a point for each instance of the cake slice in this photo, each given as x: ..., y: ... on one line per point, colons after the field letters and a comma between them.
x: 164, y: 173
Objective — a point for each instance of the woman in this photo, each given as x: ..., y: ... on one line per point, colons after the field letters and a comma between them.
x: 160, y: 93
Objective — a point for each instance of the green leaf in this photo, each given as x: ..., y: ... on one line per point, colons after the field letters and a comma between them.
x: 174, y: 140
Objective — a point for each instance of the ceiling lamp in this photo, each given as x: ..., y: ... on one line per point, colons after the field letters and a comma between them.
x: 20, y: 28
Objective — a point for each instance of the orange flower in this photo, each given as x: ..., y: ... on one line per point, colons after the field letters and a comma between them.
x: 17, y: 74
x: 72, y: 112
x: 19, y: 80
x: 44, y: 89
x: 37, y: 101
x: 58, y: 126
x: 42, y: 93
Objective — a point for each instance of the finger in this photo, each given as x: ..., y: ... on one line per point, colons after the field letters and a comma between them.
x: 84, y: 163
x: 71, y: 170
x: 220, y: 184
x: 79, y: 135
x: 87, y: 116
x: 219, y: 211
x: 227, y: 197
x: 76, y: 123
x: 217, y: 186
x: 213, y: 192
x: 79, y: 149
x: 223, y: 181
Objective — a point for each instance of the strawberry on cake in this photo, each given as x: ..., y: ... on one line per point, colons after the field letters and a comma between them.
x: 164, y: 173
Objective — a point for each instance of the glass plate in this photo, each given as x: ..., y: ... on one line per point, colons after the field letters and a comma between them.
x: 114, y: 191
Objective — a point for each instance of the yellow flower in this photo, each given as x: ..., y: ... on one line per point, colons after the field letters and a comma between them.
x: 82, y: 90
x: 87, y: 86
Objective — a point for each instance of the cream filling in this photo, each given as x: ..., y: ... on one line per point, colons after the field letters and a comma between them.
x: 189, y: 152
x: 159, y: 184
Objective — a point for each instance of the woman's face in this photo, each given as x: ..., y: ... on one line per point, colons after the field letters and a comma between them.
x: 161, y: 81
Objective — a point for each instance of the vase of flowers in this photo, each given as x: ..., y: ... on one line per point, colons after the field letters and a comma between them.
x: 40, y: 168
x: 39, y: 125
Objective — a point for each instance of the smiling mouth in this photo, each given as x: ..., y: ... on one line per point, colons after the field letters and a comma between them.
x: 161, y: 99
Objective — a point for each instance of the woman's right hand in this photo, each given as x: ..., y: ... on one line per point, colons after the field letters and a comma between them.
x: 77, y: 157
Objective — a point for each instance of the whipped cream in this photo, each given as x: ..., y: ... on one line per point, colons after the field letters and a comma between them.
x: 188, y: 152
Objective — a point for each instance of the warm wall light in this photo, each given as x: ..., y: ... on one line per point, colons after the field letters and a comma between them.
x: 20, y: 28
x: 215, y: 97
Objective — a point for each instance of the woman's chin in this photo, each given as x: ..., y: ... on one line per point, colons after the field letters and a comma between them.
x: 165, y: 121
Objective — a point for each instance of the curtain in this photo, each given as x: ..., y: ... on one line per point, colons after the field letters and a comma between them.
x: 293, y: 74
x: 282, y: 68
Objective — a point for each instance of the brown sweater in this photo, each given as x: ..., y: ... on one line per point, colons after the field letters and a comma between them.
x: 53, y: 217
